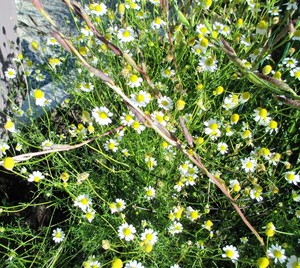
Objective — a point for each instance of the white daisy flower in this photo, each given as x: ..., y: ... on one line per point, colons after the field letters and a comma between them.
x: 36, y: 176
x: 58, y: 235
x: 83, y: 202
x: 126, y: 231
x: 277, y: 253
x: 165, y: 103
x: 231, y: 252
x: 141, y: 99
x: 10, y: 73
x: 135, y: 81
x: 102, y: 115
x: 126, y: 35
x: 149, y: 236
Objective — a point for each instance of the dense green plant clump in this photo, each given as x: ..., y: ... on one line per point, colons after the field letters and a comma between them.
x: 103, y: 189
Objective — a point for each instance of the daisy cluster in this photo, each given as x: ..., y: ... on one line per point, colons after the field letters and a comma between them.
x: 121, y: 196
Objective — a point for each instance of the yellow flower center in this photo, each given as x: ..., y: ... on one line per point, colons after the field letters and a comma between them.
x: 37, y: 179
x: 209, y: 62
x: 204, y: 42
x: 297, y: 74
x: 98, y: 8
x: 277, y: 253
x: 290, y: 176
x: 102, y: 115
x: 273, y: 124
x: 126, y: 33
x: 149, y: 192
x: 111, y: 145
x: 126, y: 231
x: 38, y: 94
x: 249, y: 165
x: 9, y: 163
x: 149, y: 237
x: 58, y: 235
x: 229, y: 253
x: 136, y: 124
x: 194, y: 215
x: 8, y: 125
x: 157, y: 20
x: 133, y: 78
x: 84, y: 201
x: 262, y: 25
x: 140, y: 98
x: 213, y: 126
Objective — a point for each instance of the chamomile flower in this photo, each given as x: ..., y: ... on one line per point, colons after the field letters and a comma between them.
x: 272, y: 126
x: 202, y: 29
x: 141, y: 99
x: 10, y: 126
x: 127, y: 119
x: 290, y: 62
x: 150, y: 162
x: 295, y: 73
x: 134, y: 264
x: 58, y: 235
x: 149, y: 192
x: 157, y: 23
x: 261, y: 116
x: 249, y: 164
x: 230, y: 102
x: 111, y: 145
x: 175, y: 228
x: 275, y: 10
x: 102, y: 115
x: 53, y: 62
x: 256, y: 193
x: 137, y: 126
x: 3, y: 147
x: 89, y: 214
x: 208, y: 63
x: 234, y: 185
x: 295, y: 196
x: 47, y: 145
x: 183, y: 169
x: 39, y: 96
x: 168, y: 73
x: 207, y: 225
x: 192, y: 214
x: 149, y: 236
x: 86, y: 87
x: 246, y: 40
x: 126, y: 231
x: 98, y: 9
x: 293, y: 262
x: 231, y: 252
x: 292, y: 178
x: 126, y: 35
x: 212, y: 128
x: 291, y: 5
x: 10, y: 73
x: 277, y: 253
x: 83, y: 202
x: 36, y: 176
x: 135, y: 81
x: 262, y: 27
x: 120, y: 204
x: 165, y: 103
x: 296, y: 35
x: 222, y: 148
